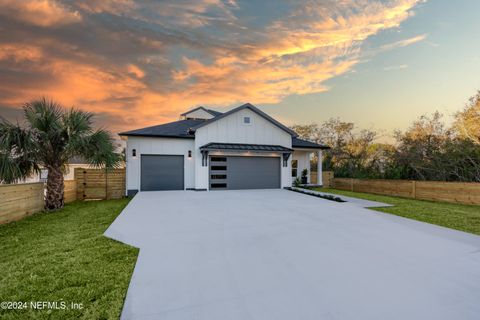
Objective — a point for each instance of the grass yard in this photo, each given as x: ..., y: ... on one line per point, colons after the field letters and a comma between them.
x: 456, y: 216
x: 63, y: 256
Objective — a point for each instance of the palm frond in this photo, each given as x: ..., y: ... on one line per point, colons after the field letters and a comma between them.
x: 77, y: 122
x: 99, y: 150
x: 18, y: 152
x: 43, y: 116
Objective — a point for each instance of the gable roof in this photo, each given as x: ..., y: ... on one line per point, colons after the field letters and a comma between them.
x: 305, y: 144
x: 177, y: 129
x: 252, y: 108
x: 212, y: 112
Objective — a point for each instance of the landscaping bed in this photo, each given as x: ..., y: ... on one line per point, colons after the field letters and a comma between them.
x: 63, y: 256
x: 455, y: 216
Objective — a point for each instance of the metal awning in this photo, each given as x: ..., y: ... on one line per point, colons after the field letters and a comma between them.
x: 215, y: 146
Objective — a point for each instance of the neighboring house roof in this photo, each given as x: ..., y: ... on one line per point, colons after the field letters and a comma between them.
x: 212, y: 112
x: 177, y: 129
x: 244, y: 147
x: 252, y: 108
x: 77, y: 160
x: 300, y: 143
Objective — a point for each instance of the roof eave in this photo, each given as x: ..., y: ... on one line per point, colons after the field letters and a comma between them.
x: 311, y: 147
x: 126, y: 134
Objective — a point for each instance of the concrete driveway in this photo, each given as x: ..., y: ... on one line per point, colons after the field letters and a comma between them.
x: 277, y: 254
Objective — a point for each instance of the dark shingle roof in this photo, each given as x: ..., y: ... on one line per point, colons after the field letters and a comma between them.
x: 244, y: 147
x: 181, y: 129
x: 177, y: 129
x: 300, y: 143
x: 214, y: 112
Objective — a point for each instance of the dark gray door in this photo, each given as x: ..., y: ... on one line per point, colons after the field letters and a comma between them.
x: 161, y: 172
x: 235, y: 173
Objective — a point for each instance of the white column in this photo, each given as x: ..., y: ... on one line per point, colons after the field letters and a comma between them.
x: 319, y: 168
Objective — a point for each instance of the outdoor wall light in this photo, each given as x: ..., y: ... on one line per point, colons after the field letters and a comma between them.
x: 134, y: 153
x: 189, y: 153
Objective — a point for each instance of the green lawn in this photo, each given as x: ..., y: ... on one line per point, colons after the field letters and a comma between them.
x: 63, y: 256
x: 456, y: 216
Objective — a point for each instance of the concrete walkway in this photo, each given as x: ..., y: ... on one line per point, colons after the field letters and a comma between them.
x: 277, y: 254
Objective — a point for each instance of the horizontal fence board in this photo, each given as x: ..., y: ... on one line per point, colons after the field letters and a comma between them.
x: 20, y: 200
x: 70, y: 191
x: 99, y: 184
x: 327, y: 177
x: 454, y: 192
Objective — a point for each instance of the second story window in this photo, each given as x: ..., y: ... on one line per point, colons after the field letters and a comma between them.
x: 247, y: 120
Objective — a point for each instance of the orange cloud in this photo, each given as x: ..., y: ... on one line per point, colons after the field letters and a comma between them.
x: 41, y: 13
x: 142, y: 63
x: 287, y: 62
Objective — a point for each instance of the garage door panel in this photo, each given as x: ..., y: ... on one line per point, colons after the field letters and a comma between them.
x: 246, y: 173
x: 162, y: 172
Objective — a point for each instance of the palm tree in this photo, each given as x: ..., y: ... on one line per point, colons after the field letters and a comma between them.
x: 50, y: 137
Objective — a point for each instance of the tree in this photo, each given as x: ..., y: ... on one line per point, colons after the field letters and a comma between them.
x: 467, y: 121
x: 421, y: 149
x: 350, y: 151
x: 50, y: 136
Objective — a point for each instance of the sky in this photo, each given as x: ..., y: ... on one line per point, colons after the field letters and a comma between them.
x: 377, y: 63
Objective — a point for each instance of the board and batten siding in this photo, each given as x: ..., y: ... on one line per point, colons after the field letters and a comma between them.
x: 160, y: 146
x: 231, y: 129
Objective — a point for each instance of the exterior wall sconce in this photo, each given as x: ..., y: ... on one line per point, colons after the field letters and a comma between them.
x: 189, y: 153
x: 134, y: 153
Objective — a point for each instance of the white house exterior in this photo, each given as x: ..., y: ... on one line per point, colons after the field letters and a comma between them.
x: 243, y: 148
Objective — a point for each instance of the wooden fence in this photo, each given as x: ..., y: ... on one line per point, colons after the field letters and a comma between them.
x: 327, y: 177
x: 98, y: 184
x: 20, y: 200
x: 70, y: 191
x: 455, y: 192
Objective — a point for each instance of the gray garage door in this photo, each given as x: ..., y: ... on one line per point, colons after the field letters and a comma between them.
x: 161, y: 172
x: 244, y: 173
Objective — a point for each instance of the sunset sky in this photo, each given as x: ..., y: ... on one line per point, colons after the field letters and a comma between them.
x: 378, y: 63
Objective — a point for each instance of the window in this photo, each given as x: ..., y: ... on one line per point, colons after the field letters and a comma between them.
x: 247, y: 120
x: 218, y: 176
x: 219, y: 159
x: 218, y: 185
x: 294, y: 168
x: 44, y: 174
x: 219, y: 167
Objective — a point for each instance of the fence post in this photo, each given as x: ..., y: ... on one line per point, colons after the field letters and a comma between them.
x: 106, y: 183
x: 414, y: 189
x: 351, y: 184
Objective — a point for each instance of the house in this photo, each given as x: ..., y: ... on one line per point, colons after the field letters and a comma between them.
x: 243, y: 148
x: 73, y: 163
